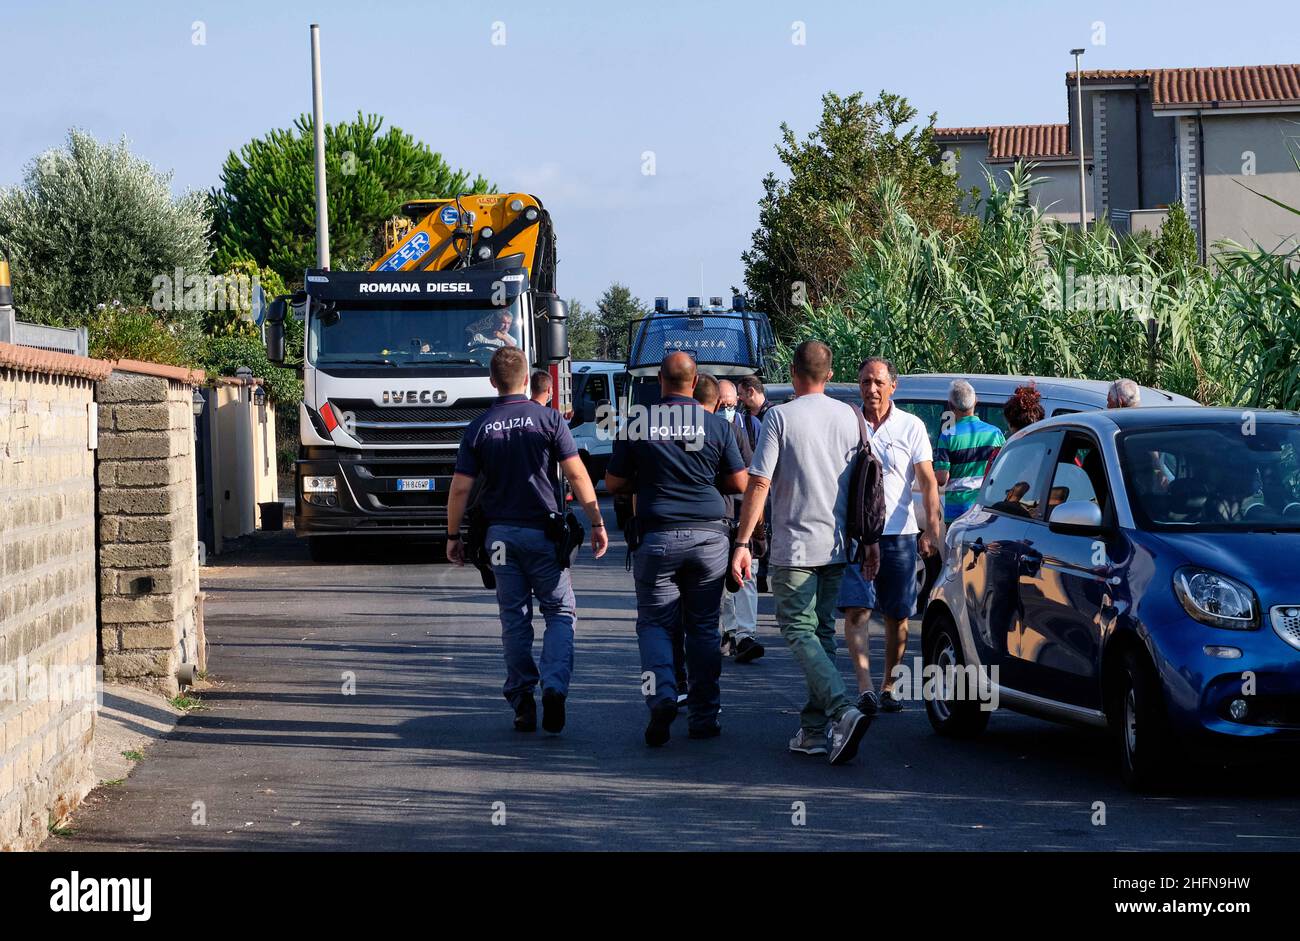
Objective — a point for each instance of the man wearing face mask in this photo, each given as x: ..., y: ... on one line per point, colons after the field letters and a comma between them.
x: 730, y: 409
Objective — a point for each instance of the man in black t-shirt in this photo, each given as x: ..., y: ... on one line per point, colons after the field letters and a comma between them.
x: 678, y: 460
x: 515, y: 447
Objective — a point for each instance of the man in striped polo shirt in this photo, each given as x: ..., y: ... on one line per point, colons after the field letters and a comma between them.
x: 963, y: 452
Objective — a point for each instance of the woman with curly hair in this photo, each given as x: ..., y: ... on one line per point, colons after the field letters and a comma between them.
x: 1021, y: 410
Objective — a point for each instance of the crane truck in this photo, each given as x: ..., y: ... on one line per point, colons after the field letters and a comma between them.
x: 395, y: 363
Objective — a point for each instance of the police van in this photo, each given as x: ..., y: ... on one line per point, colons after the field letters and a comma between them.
x: 727, y: 342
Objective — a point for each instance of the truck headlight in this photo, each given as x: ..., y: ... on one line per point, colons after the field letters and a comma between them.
x: 320, y: 485
x: 1215, y: 599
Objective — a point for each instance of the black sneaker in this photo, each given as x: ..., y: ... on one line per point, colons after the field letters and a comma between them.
x: 661, y: 717
x: 869, y: 703
x: 890, y: 703
x: 706, y: 731
x: 728, y: 645
x: 552, y: 711
x: 526, y: 715
x: 748, y: 649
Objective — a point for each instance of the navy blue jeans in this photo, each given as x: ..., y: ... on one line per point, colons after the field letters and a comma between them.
x: 679, y: 581
x: 523, y: 561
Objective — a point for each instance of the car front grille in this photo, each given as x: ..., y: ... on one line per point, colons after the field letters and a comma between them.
x: 1286, y: 623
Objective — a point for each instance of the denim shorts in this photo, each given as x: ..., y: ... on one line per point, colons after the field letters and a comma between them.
x: 893, y: 593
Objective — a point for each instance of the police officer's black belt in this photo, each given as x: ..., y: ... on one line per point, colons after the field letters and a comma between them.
x: 669, y: 526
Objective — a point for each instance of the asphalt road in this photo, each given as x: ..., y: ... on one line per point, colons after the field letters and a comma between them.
x: 423, y: 757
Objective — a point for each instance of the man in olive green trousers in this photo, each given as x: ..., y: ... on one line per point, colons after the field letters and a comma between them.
x: 804, y: 457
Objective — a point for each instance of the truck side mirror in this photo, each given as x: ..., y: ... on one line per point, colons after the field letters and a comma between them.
x: 275, y: 330
x: 553, y: 335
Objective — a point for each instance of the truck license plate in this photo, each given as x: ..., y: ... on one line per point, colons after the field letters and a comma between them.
x: 414, y: 483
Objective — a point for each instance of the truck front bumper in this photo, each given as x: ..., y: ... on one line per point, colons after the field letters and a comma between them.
x: 369, y: 495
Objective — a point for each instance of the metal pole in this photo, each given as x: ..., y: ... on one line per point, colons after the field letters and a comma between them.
x: 318, y: 129
x: 1083, y: 188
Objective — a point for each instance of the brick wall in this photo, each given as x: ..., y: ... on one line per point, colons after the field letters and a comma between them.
x: 148, y: 526
x: 47, y: 588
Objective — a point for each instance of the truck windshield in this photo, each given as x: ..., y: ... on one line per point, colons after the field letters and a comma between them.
x: 415, y: 336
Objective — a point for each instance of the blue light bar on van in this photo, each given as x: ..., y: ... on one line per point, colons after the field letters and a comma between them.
x: 661, y: 304
x: 692, y: 302
x: 737, y: 302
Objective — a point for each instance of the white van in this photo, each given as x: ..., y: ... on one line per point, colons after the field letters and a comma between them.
x: 596, y: 383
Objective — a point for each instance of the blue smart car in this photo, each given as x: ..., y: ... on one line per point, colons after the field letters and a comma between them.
x: 1134, y: 569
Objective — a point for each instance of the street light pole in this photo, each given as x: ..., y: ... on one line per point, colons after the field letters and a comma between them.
x: 1078, y: 108
x: 318, y: 133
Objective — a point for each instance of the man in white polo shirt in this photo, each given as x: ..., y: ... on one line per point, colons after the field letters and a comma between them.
x: 902, y: 443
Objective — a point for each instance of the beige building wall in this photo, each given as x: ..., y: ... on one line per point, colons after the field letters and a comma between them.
x: 47, y: 588
x: 1256, y: 151
x: 1057, y: 193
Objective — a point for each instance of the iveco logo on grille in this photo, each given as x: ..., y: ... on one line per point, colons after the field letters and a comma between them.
x: 414, y: 397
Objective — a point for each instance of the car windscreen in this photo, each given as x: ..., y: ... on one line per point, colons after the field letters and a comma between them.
x: 1232, y: 476
x: 408, y: 335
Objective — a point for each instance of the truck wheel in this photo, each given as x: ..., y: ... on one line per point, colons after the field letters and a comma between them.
x: 1140, y: 726
x: 325, y: 549
x: 950, y: 717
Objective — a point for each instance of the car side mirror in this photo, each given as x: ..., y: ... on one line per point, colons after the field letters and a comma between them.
x: 275, y: 330
x: 1076, y: 518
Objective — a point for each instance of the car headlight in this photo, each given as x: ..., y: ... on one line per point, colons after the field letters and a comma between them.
x: 1215, y: 599
x: 320, y: 485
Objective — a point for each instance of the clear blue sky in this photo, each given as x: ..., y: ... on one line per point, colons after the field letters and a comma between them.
x: 579, y: 91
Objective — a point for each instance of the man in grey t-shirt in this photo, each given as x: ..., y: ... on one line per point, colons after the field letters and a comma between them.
x: 804, y: 457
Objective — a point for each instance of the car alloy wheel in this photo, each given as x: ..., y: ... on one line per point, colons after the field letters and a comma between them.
x: 945, y: 659
x: 1130, y: 724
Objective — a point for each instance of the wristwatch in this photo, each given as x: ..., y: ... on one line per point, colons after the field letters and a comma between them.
x: 745, y: 545
x: 453, y: 537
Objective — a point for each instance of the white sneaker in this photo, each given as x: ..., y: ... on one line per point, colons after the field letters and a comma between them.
x: 808, y: 743
x: 843, y: 737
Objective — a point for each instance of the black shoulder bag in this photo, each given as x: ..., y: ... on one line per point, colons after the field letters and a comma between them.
x: 866, y: 514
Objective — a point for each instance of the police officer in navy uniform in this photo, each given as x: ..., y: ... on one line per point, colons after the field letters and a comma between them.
x: 515, y: 446
x: 678, y: 459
